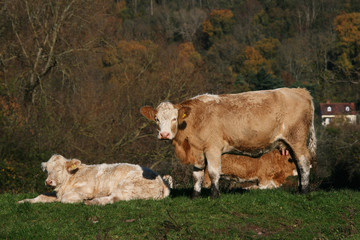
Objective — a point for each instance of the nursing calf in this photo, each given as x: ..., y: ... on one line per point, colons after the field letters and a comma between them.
x: 269, y: 171
x: 252, y: 123
x: 99, y: 184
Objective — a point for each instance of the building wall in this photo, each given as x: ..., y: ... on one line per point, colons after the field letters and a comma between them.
x: 327, y: 119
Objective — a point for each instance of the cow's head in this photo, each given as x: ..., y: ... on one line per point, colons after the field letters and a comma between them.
x: 59, y: 169
x: 168, y: 117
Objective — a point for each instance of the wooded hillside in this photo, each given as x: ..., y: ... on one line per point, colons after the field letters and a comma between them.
x: 74, y: 74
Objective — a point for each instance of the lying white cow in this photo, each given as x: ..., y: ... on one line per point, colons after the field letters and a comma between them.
x: 99, y: 184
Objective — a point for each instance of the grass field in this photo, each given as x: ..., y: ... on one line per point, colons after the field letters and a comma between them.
x: 260, y: 214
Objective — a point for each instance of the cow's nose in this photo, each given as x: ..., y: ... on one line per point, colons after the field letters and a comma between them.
x: 48, y: 182
x: 164, y: 135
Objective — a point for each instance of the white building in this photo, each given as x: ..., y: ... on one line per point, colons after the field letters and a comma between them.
x: 341, y: 112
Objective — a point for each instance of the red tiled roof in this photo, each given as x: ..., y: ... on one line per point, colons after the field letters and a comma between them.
x: 337, y: 108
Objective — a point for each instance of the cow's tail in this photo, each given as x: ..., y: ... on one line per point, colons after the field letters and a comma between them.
x: 168, y: 184
x: 312, y: 136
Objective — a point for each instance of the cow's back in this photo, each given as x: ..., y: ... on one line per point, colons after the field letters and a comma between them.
x: 98, y: 180
x: 246, y: 121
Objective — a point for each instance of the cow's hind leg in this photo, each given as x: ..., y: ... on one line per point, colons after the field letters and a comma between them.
x: 101, y: 200
x: 72, y: 197
x: 302, y: 157
x: 214, y: 168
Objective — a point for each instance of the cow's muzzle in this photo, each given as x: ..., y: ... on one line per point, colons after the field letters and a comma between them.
x: 164, y: 135
x: 49, y: 182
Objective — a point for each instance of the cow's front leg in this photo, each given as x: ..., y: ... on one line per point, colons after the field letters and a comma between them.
x: 72, y: 197
x: 214, y: 167
x: 43, y: 198
x: 198, y: 175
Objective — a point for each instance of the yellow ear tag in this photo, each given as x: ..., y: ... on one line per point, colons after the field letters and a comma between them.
x: 184, y: 115
x: 73, y: 166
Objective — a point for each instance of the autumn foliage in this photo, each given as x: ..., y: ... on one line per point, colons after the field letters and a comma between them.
x: 347, y: 27
x: 220, y: 22
x: 74, y: 74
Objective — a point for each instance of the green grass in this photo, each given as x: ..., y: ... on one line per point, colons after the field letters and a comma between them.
x: 261, y: 214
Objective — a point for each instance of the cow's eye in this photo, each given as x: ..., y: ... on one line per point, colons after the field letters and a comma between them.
x: 156, y: 119
x: 174, y: 119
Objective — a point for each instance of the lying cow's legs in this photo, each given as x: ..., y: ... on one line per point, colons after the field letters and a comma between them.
x: 43, y: 198
x: 101, y: 200
x: 72, y: 197
x: 214, y: 168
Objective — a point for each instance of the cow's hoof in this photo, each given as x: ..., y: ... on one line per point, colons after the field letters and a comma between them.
x: 304, y: 190
x: 195, y: 194
x: 88, y: 202
x: 214, y: 193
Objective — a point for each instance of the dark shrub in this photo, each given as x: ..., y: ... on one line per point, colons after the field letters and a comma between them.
x: 338, y: 156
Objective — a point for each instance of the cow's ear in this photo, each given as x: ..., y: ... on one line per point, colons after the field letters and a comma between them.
x: 148, y: 112
x: 43, y: 166
x: 72, y: 165
x: 184, y: 112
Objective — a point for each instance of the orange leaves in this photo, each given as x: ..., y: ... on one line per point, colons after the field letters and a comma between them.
x: 268, y: 46
x: 251, y: 54
x: 188, y: 56
x: 222, y: 16
x: 220, y: 22
x: 347, y: 27
x: 208, y: 27
x: 222, y: 19
x: 131, y: 47
x: 186, y: 49
x: 133, y: 52
x: 188, y: 53
x: 254, y: 61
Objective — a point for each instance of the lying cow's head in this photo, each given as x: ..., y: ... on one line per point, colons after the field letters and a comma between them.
x: 167, y: 116
x: 59, y: 169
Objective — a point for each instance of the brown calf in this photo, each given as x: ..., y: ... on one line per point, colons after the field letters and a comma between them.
x: 268, y: 171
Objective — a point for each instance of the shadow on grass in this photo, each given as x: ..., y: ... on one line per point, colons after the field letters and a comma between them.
x: 227, y: 187
x: 187, y: 192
